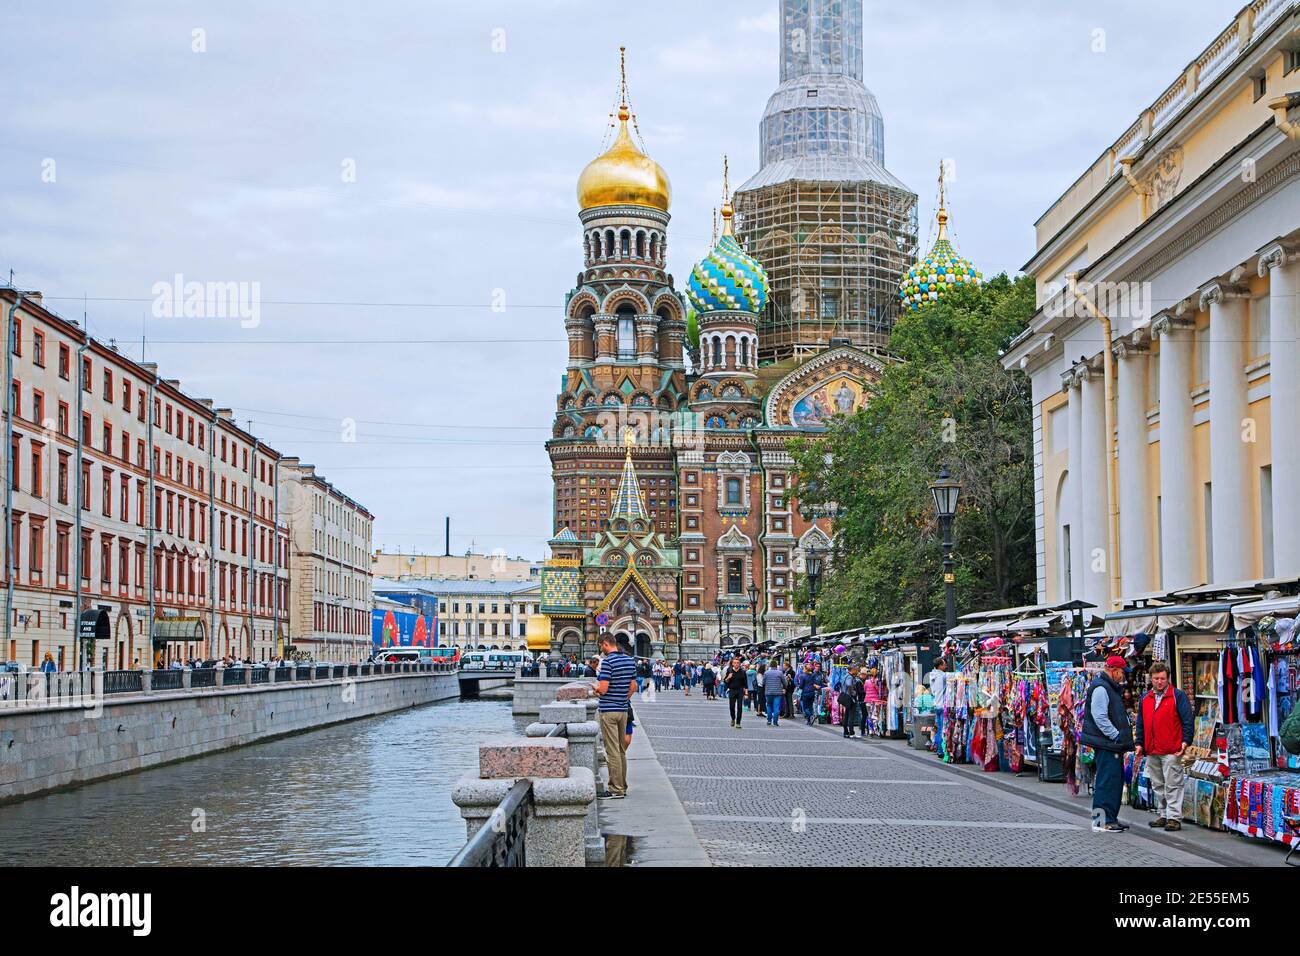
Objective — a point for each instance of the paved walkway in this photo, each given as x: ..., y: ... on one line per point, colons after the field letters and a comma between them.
x: 795, y: 794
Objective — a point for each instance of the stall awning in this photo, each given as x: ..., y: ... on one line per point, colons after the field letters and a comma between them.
x: 1034, y: 624
x: 1247, y: 614
x: 965, y: 630
x: 1212, y: 616
x: 170, y: 629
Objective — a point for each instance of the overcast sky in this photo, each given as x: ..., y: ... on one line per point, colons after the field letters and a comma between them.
x: 466, y: 126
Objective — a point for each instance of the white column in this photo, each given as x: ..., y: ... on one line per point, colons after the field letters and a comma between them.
x: 1283, y: 271
x: 1135, y: 527
x: 1233, y: 535
x: 1180, y: 510
x: 1075, y: 514
x: 1092, y: 490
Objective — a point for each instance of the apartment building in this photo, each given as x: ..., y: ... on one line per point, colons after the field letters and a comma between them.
x: 132, y: 500
x: 330, y: 565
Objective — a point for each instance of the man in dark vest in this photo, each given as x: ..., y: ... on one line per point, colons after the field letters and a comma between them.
x: 1107, y: 731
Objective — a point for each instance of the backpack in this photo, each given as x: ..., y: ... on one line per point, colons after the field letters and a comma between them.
x: 1289, y: 732
x: 847, y: 696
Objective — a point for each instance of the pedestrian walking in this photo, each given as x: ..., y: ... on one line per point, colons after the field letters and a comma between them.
x: 737, y: 683
x: 850, y: 697
x: 774, y: 694
x: 614, y: 685
x: 751, y: 686
x: 1164, y: 730
x: 708, y: 678
x: 1106, y: 730
x: 871, y: 697
x: 760, y: 688
x: 787, y: 704
x: 807, y: 687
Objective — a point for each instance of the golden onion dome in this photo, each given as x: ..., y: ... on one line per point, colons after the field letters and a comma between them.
x: 624, y: 176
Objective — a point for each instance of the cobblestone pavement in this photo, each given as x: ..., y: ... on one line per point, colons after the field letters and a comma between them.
x: 795, y: 794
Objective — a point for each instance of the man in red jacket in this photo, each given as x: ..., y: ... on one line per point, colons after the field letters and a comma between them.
x: 1164, y: 731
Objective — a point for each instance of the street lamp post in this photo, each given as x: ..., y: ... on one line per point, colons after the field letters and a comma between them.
x: 813, y: 568
x: 634, y: 609
x: 946, y: 491
x: 753, y: 611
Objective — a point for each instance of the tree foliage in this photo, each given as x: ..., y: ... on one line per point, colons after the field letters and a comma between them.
x: 947, y: 402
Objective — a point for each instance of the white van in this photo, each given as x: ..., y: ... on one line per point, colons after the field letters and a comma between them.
x: 506, y: 660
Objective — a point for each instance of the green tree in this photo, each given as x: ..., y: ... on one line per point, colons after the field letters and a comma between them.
x: 948, y: 401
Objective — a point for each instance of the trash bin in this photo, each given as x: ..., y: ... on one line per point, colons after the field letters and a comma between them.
x: 1050, y: 767
x: 921, y: 724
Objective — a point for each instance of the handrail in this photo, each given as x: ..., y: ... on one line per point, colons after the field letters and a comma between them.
x: 500, y: 840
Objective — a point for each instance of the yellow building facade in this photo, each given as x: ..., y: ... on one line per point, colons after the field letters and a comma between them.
x: 1184, y: 236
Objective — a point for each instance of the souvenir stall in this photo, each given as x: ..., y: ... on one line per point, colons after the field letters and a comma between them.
x: 1258, y: 689
x: 1191, y: 631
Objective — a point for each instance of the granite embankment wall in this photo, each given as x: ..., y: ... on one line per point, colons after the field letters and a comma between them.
x: 46, y: 748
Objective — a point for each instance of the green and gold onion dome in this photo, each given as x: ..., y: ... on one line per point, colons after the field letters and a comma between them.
x: 941, y: 270
x: 727, y: 280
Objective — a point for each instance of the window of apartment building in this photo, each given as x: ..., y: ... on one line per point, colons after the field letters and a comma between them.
x: 124, y: 505
x: 36, y: 550
x: 123, y: 565
x: 62, y: 538
x: 107, y: 503
x: 38, y: 470
x: 63, y: 418
x: 85, y: 558
x: 16, y: 398
x: 126, y: 394
x: 108, y: 438
x: 85, y: 428
x: 16, y: 336
x: 108, y: 384
x: 38, y: 407
x: 106, y: 562
x: 83, y: 493
x: 201, y: 430
x: 126, y: 447
x: 168, y: 422
x: 139, y: 502
x: 86, y: 370
x: 65, y: 361
x: 139, y: 404
x: 480, y: 607
x: 38, y: 348
x: 63, y: 478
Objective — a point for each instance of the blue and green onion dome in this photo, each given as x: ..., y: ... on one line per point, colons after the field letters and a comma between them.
x: 727, y: 280
x: 941, y: 270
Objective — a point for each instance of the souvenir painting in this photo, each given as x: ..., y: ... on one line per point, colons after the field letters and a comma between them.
x: 1204, y: 802
x: 1207, y: 679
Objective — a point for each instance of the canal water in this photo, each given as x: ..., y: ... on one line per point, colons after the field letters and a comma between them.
x: 370, y: 792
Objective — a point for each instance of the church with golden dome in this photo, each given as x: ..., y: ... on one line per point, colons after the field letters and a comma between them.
x: 673, y: 518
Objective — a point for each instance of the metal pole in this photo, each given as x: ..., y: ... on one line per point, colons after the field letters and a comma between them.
x: 153, y: 519
x: 949, y: 577
x: 13, y: 468
x: 82, y: 493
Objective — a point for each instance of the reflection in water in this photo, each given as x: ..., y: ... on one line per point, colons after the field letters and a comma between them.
x: 374, y: 791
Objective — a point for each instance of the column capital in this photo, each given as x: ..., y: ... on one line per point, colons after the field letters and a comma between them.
x: 1276, y: 253
x: 1220, y: 292
x: 1166, y: 323
x: 1125, y: 348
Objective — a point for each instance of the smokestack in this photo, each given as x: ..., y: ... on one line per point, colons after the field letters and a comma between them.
x: 448, y: 553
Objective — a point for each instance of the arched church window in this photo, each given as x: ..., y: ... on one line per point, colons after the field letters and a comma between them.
x: 625, y: 244
x: 654, y: 246
x: 717, y: 351
x: 744, y: 352
x: 609, y: 243
x: 626, y: 335
x: 640, y: 245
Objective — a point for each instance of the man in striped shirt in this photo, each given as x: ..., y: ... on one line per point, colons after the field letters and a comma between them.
x: 615, y: 683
